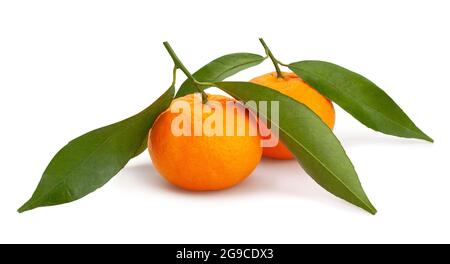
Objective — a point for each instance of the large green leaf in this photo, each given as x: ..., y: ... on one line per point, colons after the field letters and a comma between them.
x: 220, y: 69
x: 309, y: 139
x: 358, y: 96
x: 90, y: 161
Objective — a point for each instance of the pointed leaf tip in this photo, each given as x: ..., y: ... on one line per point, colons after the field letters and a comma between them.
x: 360, y: 97
x: 91, y: 160
x: 220, y: 69
x: 317, y: 149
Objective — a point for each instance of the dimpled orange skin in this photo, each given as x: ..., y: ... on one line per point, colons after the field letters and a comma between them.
x: 203, y: 163
x: 291, y: 85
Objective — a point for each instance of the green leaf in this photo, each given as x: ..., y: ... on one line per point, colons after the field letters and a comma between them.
x: 311, y: 141
x: 220, y: 69
x: 90, y: 161
x: 358, y: 96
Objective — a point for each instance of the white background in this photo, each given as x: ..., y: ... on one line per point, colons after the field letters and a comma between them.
x: 67, y: 67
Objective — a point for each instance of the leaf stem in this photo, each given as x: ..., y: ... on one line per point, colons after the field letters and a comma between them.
x: 180, y: 65
x: 283, y: 64
x: 272, y: 58
x: 174, y: 76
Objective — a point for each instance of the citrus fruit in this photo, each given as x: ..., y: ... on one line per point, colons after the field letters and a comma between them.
x: 204, y: 161
x: 291, y: 85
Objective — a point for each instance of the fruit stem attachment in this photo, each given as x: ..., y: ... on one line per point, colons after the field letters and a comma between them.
x: 272, y: 58
x: 180, y: 65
